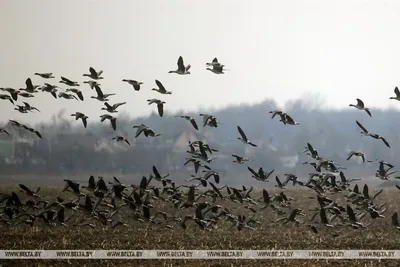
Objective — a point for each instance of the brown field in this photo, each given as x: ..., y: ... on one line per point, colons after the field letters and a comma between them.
x: 144, y: 235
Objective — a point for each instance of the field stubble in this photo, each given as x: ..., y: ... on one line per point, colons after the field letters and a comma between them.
x: 379, y: 235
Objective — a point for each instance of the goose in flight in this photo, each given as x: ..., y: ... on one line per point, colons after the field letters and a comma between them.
x: 188, y: 118
x: 286, y: 119
x: 209, y: 120
x: 397, y: 97
x: 92, y: 84
x: 140, y: 129
x: 147, y: 131
x: 77, y: 92
x: 47, y: 75
x: 30, y: 88
x: 94, y: 74
x: 83, y: 117
x: 217, y: 67
x: 356, y: 153
x: 112, y: 119
x: 52, y: 89
x: 135, y: 84
x: 243, y: 137
x: 182, y: 70
x: 100, y: 96
x: 14, y: 93
x: 160, y: 105
x: 360, y: 106
x: 6, y: 97
x: 161, y: 89
x: 121, y: 139
x: 21, y: 109
x: 113, y: 108
x: 67, y: 96
x: 373, y: 135
x: 29, y: 107
x: 240, y: 159
x: 68, y: 82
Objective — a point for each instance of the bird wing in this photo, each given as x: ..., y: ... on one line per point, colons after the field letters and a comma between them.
x: 92, y: 71
x: 362, y: 127
x: 351, y: 214
x: 37, y: 133
x: 114, y: 123
x: 350, y: 155
x: 360, y: 103
x: 65, y: 79
x: 252, y: 171
x: 278, y: 181
x: 139, y: 131
x: 242, y: 133
x: 29, y: 84
x: 289, y: 119
x: 26, y: 189
x: 384, y: 141
x: 80, y: 95
x: 160, y: 108
x: 156, y: 173
x: 84, y: 122
x: 118, y: 104
x: 310, y: 148
x: 160, y: 86
x: 368, y: 112
x: 396, y: 91
x: 181, y: 67
x: 98, y: 91
x: 193, y: 122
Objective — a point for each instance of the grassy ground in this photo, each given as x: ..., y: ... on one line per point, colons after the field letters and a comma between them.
x: 269, y: 235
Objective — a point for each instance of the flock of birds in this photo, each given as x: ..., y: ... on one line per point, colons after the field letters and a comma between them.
x: 158, y: 200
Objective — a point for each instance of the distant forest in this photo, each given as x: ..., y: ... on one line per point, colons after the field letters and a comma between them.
x: 68, y: 148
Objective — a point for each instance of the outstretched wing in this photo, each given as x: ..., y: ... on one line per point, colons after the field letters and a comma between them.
x: 242, y: 133
x: 360, y: 103
x: 362, y: 127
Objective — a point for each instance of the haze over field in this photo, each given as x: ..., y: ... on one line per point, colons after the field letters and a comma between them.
x: 309, y: 58
x: 279, y: 50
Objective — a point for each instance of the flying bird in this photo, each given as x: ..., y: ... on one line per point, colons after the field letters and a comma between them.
x: 94, y: 74
x: 182, y: 69
x: 360, y: 106
x: 83, y: 117
x: 135, y: 84
x: 373, y: 135
x: 243, y: 137
x: 160, y: 105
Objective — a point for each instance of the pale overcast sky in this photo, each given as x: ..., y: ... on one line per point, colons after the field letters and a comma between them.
x: 274, y: 49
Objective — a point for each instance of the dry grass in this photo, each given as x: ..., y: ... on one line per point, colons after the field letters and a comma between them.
x: 380, y: 235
